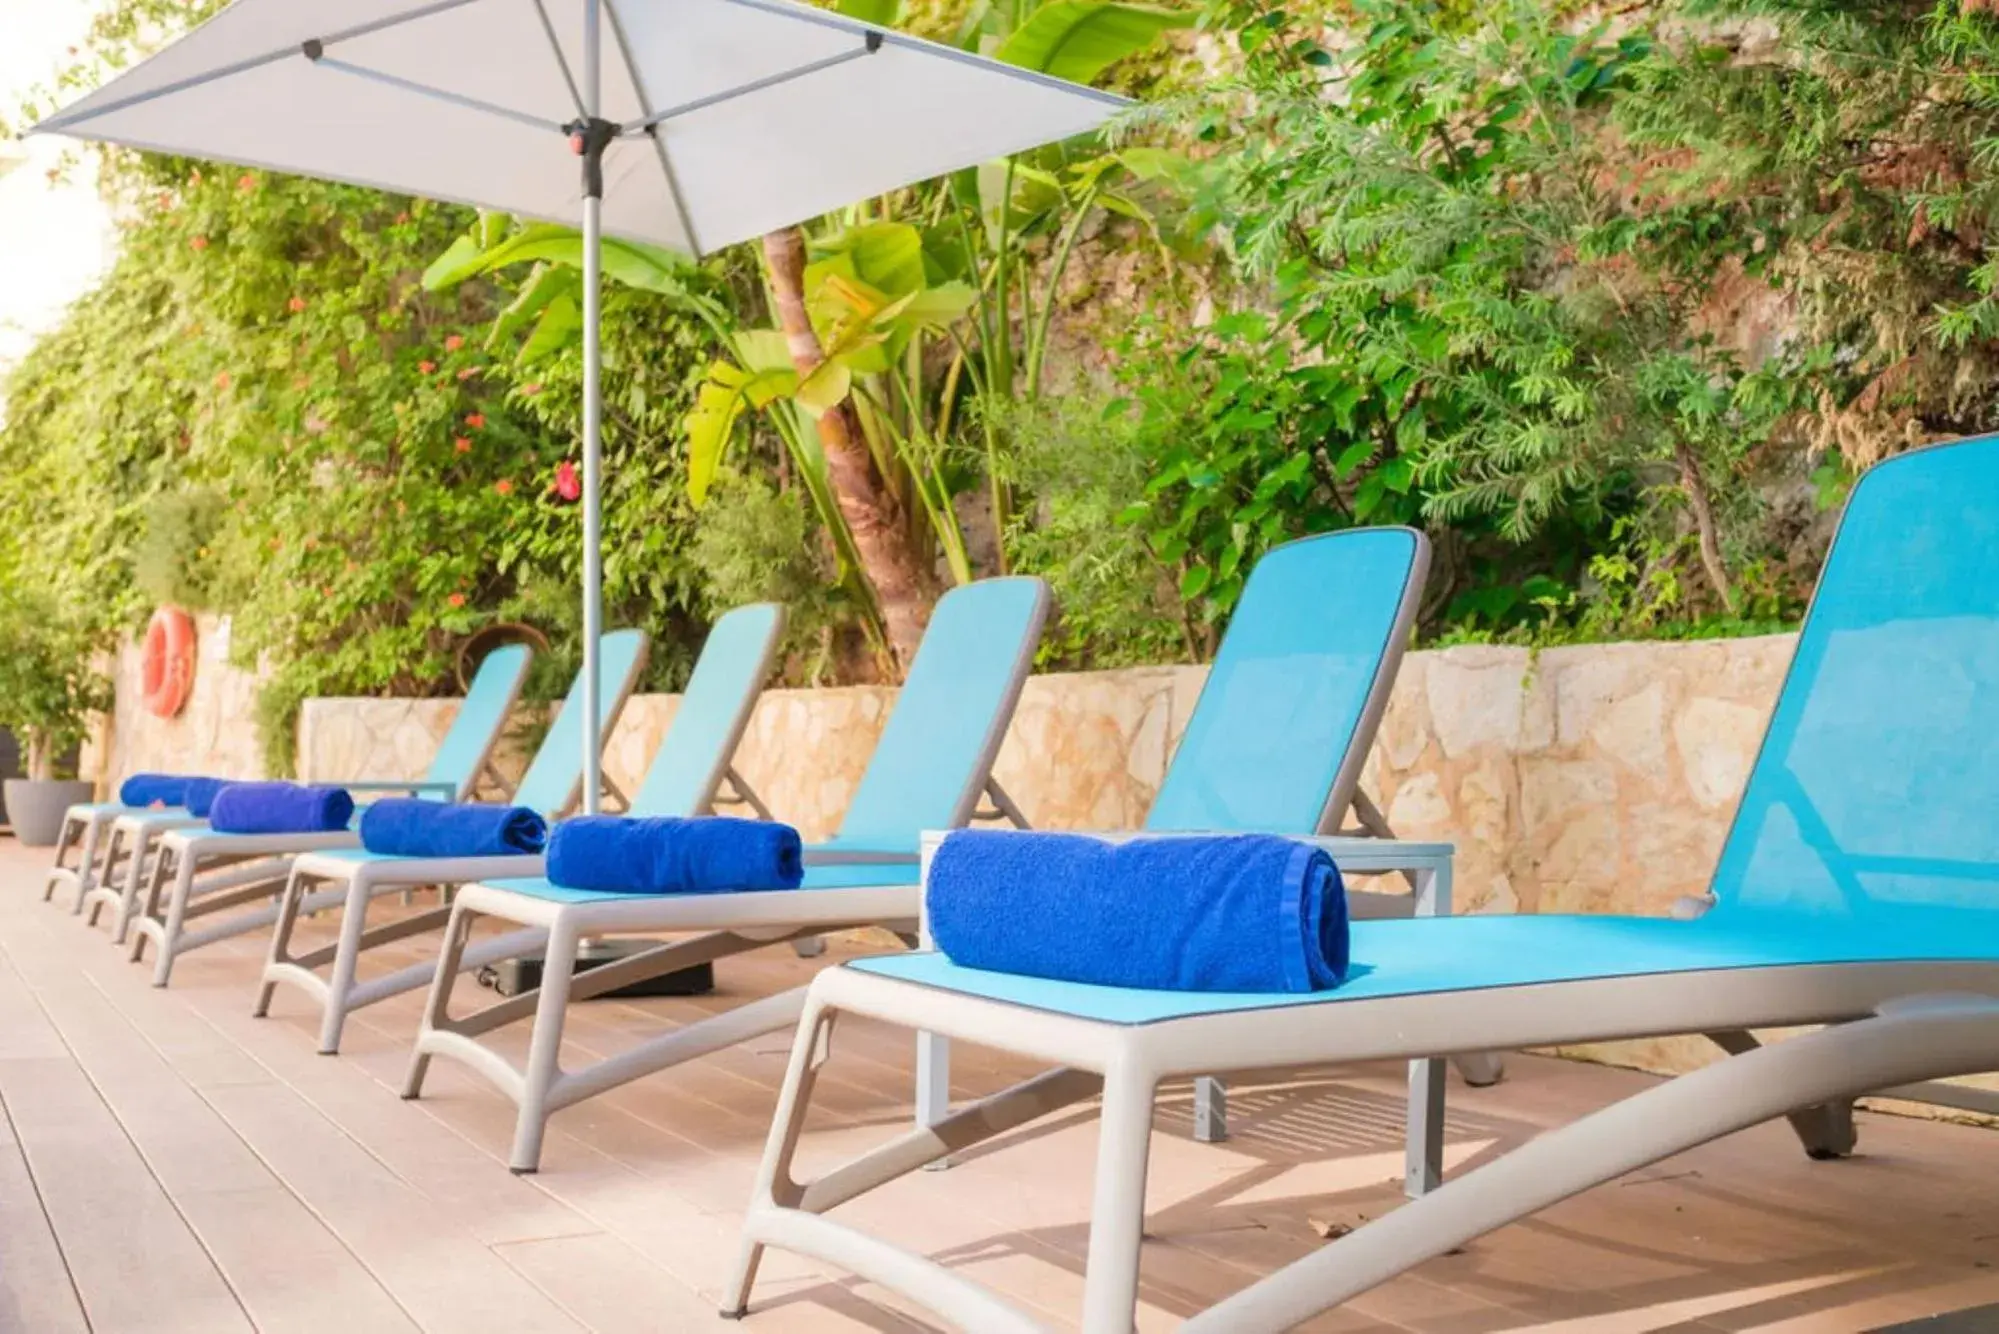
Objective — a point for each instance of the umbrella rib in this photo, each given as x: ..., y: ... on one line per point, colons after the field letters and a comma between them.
x: 891, y: 37
x: 754, y: 86
x: 63, y: 122
x: 561, y: 61
x: 439, y: 94
x: 633, y: 72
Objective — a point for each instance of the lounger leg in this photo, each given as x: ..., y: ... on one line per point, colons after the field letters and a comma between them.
x: 545, y: 1045
x: 437, y: 1009
x: 155, y: 880
x: 106, y: 878
x: 1211, y: 1110
x: 346, y: 960
x: 1117, y: 1206
x: 64, y: 839
x: 135, y: 878
x: 1423, y: 1151
x: 163, y: 967
x: 281, y: 938
x: 775, y: 1187
x: 1827, y: 1131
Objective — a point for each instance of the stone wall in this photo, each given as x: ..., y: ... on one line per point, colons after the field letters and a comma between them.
x: 215, y: 733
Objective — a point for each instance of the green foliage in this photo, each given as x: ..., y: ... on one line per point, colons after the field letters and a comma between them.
x: 49, y: 681
x: 757, y: 543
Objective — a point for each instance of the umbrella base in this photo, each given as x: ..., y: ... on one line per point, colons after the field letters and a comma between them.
x: 511, y: 977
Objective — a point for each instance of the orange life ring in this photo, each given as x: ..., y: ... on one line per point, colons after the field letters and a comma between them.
x: 166, y: 670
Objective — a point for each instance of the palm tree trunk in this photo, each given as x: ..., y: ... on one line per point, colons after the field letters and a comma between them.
x: 887, y: 560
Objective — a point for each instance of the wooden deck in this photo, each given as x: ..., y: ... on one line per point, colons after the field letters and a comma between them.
x: 168, y: 1163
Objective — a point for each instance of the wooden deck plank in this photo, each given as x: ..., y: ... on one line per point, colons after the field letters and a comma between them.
x: 36, y: 1292
x: 137, y: 1264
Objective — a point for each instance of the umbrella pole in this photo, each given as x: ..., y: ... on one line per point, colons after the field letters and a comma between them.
x: 593, y: 416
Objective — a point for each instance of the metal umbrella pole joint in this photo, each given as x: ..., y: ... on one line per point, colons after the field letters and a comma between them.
x: 589, y: 137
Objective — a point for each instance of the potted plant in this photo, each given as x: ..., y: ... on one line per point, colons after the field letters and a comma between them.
x: 49, y: 687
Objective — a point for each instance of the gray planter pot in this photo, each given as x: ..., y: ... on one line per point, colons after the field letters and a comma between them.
x: 36, y: 808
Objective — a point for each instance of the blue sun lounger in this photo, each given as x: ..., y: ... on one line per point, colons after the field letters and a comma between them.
x: 463, y: 758
x: 928, y: 771
x: 199, y: 873
x: 689, y: 775
x: 1858, y: 889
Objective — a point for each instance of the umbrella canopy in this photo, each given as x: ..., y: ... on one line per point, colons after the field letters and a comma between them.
x: 699, y: 123
x: 736, y: 117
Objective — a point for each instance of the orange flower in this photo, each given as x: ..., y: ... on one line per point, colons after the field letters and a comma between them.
x: 198, y: 243
x: 426, y: 367
x: 456, y: 599
x: 296, y: 304
x: 402, y: 218
x: 462, y: 445
x: 246, y: 182
x: 453, y: 343
x: 222, y: 379
x: 476, y: 420
x: 504, y: 487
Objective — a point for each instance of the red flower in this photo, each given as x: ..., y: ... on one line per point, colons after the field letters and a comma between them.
x: 462, y: 445
x: 504, y: 487
x: 198, y: 242
x: 296, y: 304
x: 246, y: 182
x: 453, y: 343
x: 456, y: 599
x: 426, y: 367
x: 568, y: 484
x: 222, y: 379
x: 476, y: 420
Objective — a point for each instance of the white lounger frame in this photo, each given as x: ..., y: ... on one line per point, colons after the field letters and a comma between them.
x: 353, y: 885
x: 339, y: 993
x: 1896, y: 1023
x: 729, y: 923
x: 115, y: 879
x: 213, y: 872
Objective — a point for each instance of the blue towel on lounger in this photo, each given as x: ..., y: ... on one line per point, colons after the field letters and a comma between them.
x: 407, y: 827
x: 1243, y: 913
x: 199, y: 795
x: 153, y: 790
x: 713, y: 855
x: 280, y: 808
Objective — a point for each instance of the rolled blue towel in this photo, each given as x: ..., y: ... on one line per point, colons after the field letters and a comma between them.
x: 199, y: 795
x: 407, y: 827
x: 153, y: 790
x: 1251, y: 912
x: 280, y: 808
x: 713, y: 855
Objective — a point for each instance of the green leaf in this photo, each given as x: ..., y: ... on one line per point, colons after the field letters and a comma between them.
x: 464, y: 259
x: 1195, y: 582
x: 881, y: 13
x: 647, y: 267
x: 559, y: 326
x: 1080, y: 39
x: 542, y: 287
x: 886, y: 255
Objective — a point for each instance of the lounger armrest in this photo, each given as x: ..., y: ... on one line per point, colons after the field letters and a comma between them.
x: 824, y: 856
x: 391, y: 785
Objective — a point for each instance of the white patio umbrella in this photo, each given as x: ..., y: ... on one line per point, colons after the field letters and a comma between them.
x: 698, y: 123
